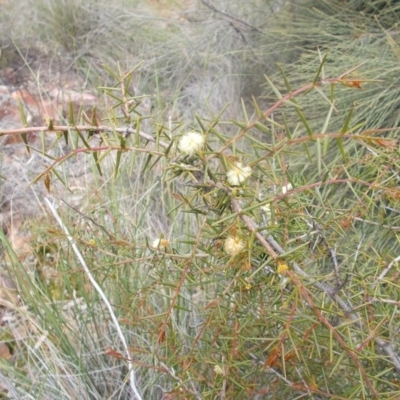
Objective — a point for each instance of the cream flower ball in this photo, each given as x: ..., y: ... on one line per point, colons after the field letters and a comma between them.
x: 191, y: 143
x: 238, y: 174
x: 233, y: 245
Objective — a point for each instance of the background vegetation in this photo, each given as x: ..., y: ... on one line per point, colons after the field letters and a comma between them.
x: 306, y: 305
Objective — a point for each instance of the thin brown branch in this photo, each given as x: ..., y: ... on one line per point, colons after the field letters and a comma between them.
x: 231, y: 17
x: 361, y: 137
x: 266, y: 114
x: 290, y: 96
x: 126, y: 131
x: 90, y: 150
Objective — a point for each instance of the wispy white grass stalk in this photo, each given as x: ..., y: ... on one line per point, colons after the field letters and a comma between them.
x: 6, y: 382
x: 100, y: 292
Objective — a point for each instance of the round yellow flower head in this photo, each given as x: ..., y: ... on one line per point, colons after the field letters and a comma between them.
x: 238, y: 174
x: 191, y: 143
x: 218, y: 370
x: 282, y: 267
x: 233, y: 245
x: 247, y: 286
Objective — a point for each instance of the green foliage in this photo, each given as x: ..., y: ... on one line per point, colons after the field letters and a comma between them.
x: 354, y: 33
x: 271, y: 270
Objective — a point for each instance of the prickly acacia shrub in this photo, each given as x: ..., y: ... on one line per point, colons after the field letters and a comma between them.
x: 258, y: 265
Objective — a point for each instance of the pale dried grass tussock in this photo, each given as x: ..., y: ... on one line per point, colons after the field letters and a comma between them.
x: 31, y: 338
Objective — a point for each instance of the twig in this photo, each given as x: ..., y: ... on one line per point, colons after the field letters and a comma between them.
x: 125, y: 131
x: 88, y: 150
x: 266, y: 114
x: 101, y: 294
x: 231, y: 17
x: 87, y: 217
x: 332, y: 251
x: 385, y: 271
x: 288, y: 97
x: 172, y: 373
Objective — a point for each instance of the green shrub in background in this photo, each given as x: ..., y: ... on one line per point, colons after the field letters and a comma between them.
x: 271, y: 274
x: 350, y: 33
